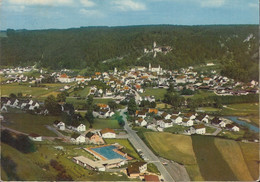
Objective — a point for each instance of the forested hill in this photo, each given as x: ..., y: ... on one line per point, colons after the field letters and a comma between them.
x: 102, y: 48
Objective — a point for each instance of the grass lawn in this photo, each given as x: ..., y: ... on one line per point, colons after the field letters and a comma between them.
x: 245, y: 110
x: 177, y: 148
x: 158, y: 93
x: 36, y: 92
x: 161, y: 105
x: 100, y: 123
x: 29, y: 123
x: 233, y: 155
x: 176, y: 129
x: 208, y: 109
x: 232, y: 134
x: 129, y: 149
x: 30, y: 166
x: 251, y: 155
x: 212, y: 164
x: 210, y: 129
x: 202, y: 94
x: 152, y: 168
x: 83, y: 92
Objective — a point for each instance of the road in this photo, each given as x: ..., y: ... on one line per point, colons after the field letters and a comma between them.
x: 215, y: 133
x: 139, y: 144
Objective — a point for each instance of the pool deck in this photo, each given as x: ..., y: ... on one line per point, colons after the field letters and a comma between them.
x: 101, y: 157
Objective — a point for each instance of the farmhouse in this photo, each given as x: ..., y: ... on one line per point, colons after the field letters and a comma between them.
x: 202, y: 118
x: 232, y: 127
x: 77, y: 138
x: 166, y: 123
x: 136, y: 168
x: 59, y: 124
x: 141, y: 122
x: 165, y: 115
x: 94, y: 138
x: 217, y: 122
x: 198, y: 129
x: 187, y: 122
x: 108, y: 133
x: 79, y: 127
x: 176, y: 119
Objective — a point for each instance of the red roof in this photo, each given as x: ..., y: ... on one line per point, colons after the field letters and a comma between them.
x: 107, y: 130
x: 150, y: 178
x: 64, y: 76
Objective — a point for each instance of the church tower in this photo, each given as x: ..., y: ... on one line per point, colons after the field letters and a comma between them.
x: 154, y: 44
x: 150, y: 67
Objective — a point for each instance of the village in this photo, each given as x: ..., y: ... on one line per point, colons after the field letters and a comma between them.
x: 121, y: 87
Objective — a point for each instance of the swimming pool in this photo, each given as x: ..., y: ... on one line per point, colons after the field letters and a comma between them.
x: 107, y: 152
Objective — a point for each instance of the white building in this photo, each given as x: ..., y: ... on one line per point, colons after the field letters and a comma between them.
x: 166, y: 123
x: 59, y: 124
x: 77, y: 138
x: 187, y: 122
x: 78, y: 127
x: 176, y: 119
x: 198, y: 129
x: 35, y: 137
x: 108, y: 133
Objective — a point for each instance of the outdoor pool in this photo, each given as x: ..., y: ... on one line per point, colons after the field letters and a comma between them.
x: 243, y: 123
x: 107, y: 152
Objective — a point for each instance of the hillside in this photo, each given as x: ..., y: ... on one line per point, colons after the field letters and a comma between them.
x: 103, y: 48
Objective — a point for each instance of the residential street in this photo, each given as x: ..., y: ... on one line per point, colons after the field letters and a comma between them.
x: 140, y: 145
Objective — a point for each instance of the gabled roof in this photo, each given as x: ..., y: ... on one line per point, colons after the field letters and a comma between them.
x: 199, y: 126
x: 63, y: 76
x: 152, y: 110
x: 107, y: 130
x: 75, y: 135
x: 89, y: 134
x: 164, y: 114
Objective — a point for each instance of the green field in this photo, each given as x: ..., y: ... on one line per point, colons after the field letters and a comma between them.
x: 35, y: 166
x: 29, y: 123
x: 176, y: 129
x: 247, y: 110
x: 129, y: 149
x: 106, y: 123
x: 36, y: 92
x: 158, y: 93
x: 231, y: 134
x: 251, y: 156
x: 101, y: 101
x: 82, y: 92
x: 231, y: 152
x: 208, y: 158
x: 177, y: 148
x: 212, y: 165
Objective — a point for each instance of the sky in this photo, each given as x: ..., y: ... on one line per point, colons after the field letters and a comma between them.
x: 60, y: 14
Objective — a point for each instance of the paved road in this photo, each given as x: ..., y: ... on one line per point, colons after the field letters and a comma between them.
x: 177, y: 171
x: 139, y: 144
x: 215, y: 133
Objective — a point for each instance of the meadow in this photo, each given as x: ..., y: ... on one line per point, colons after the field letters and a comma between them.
x: 128, y: 148
x: 29, y: 123
x: 158, y: 93
x: 208, y: 158
x: 36, y: 92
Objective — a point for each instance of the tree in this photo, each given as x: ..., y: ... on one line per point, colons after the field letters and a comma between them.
x: 9, y: 167
x: 153, y: 104
x: 90, y: 101
x: 89, y: 117
x: 113, y: 105
x: 52, y: 105
x: 12, y: 95
x: 20, y: 95
x: 61, y: 97
x: 132, y: 107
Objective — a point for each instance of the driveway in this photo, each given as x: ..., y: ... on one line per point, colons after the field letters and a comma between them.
x: 148, y: 154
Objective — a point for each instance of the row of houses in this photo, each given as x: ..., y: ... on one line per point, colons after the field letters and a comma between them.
x: 27, y: 104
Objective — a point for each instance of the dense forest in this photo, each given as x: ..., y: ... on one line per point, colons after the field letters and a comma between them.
x: 103, y: 48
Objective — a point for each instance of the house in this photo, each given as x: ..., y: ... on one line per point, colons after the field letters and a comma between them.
x: 93, y: 138
x: 190, y: 115
x: 176, y: 113
x: 4, y: 108
x: 166, y: 115
x: 152, y: 110
x: 166, y: 123
x: 151, y: 178
x: 77, y: 127
x: 136, y: 168
x: 176, y: 119
x: 59, y: 124
x: 202, y: 118
x: 1, y: 117
x: 34, y: 105
x: 77, y: 138
x: 141, y: 114
x: 181, y: 79
x: 35, y: 137
x: 217, y: 122
x: 108, y: 133
x: 65, y: 78
x: 141, y: 122
x: 187, y: 122
x: 232, y: 127
x: 198, y: 129
x: 206, y: 80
